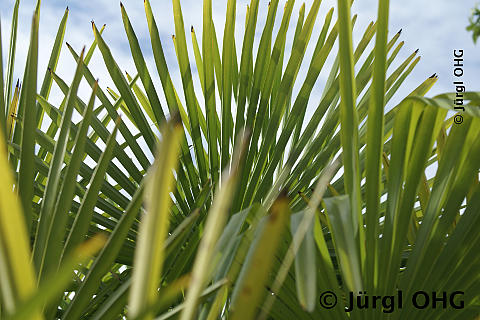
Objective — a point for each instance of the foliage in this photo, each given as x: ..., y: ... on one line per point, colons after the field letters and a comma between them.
x: 249, y: 209
x: 474, y: 25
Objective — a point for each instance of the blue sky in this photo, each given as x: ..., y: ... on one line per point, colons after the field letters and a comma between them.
x: 435, y: 27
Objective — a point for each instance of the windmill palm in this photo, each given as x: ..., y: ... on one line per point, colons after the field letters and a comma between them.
x: 246, y: 212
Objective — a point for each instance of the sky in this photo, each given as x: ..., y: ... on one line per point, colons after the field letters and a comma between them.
x: 435, y: 27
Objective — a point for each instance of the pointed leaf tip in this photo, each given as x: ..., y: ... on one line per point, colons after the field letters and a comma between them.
x: 416, y: 51
x: 400, y: 31
x: 283, y: 194
x: 176, y: 118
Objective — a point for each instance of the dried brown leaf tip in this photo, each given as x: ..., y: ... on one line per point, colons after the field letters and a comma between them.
x: 176, y: 118
x: 283, y: 194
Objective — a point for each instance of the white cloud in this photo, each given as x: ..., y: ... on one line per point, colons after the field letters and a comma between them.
x: 436, y: 27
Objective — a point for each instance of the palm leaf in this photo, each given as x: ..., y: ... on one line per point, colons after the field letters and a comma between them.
x: 379, y: 200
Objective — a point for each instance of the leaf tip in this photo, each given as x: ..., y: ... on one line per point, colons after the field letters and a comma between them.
x: 283, y: 195
x: 176, y: 118
x: 117, y: 122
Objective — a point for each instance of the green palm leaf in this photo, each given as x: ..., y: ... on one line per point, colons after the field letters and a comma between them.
x: 229, y: 201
